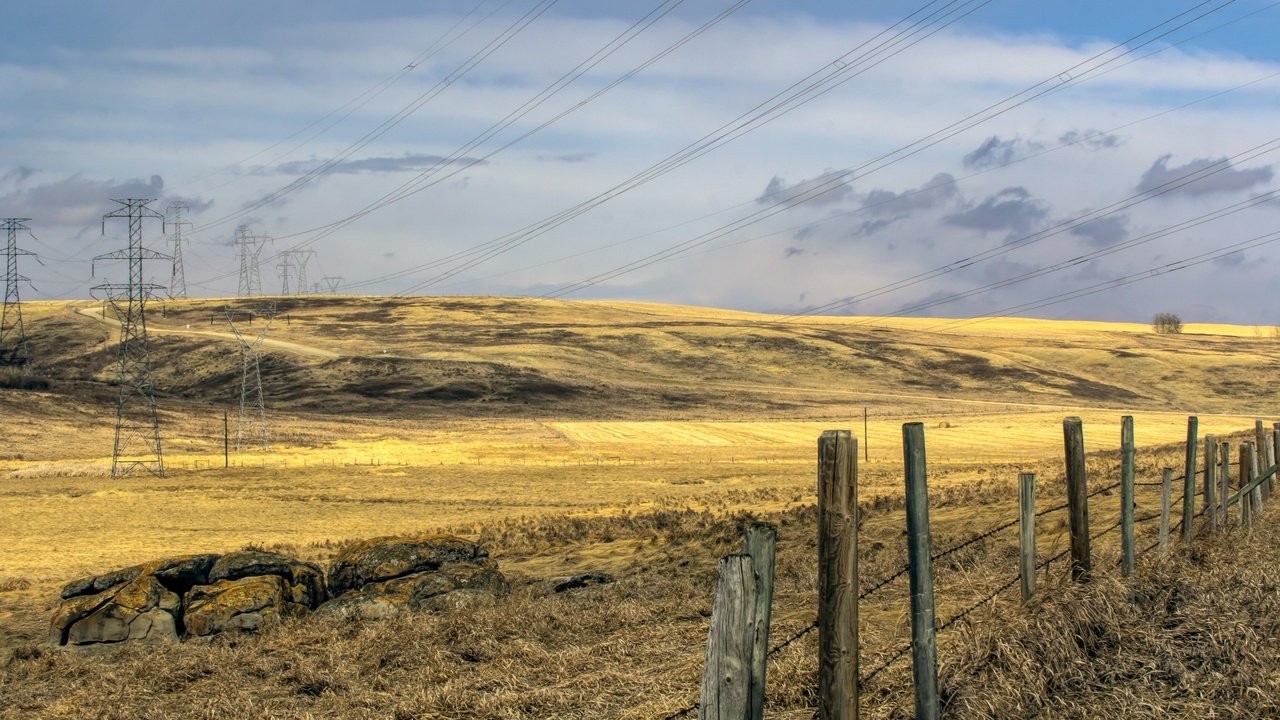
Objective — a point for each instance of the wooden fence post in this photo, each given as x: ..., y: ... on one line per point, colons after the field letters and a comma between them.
x: 1027, y: 533
x: 726, y: 675
x: 1211, y: 481
x: 1266, y: 462
x: 1224, y: 473
x: 1252, y: 462
x: 1189, y: 478
x: 1077, y: 498
x: 760, y: 541
x: 1166, y: 490
x: 1246, y: 499
x: 924, y: 640
x: 1128, y: 555
x: 837, y: 576
x: 1275, y: 444
x: 1260, y: 447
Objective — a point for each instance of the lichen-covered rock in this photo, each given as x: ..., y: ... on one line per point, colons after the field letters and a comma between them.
x: 304, y: 581
x: 378, y: 578
x: 244, y: 604
x: 140, y: 609
x: 178, y: 573
x: 386, y: 558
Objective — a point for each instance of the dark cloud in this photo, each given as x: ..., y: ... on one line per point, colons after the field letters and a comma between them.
x: 1104, y: 231
x: 76, y: 200
x: 195, y: 205
x: 888, y: 207
x: 831, y: 184
x: 18, y: 175
x: 792, y: 252
x: 1235, y: 259
x: 1221, y: 181
x: 1090, y: 139
x: 404, y: 163
x: 570, y: 158
x: 994, y: 152
x: 1010, y: 210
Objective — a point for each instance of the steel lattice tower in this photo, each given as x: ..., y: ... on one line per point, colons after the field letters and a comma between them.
x: 13, y: 335
x: 137, y: 442
x: 253, y: 410
x: 249, y: 249
x: 332, y: 283
x: 301, y: 258
x: 178, y: 279
x: 286, y: 270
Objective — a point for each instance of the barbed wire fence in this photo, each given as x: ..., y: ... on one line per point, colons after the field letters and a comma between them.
x: 880, y: 584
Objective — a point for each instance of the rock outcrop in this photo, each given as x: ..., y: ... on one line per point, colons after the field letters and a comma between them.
x: 203, y: 595
x: 373, y: 579
x: 164, y: 600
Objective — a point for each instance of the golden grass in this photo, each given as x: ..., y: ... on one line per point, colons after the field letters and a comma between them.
x: 690, y: 422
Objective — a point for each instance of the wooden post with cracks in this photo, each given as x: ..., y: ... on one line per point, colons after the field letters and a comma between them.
x: 1027, y: 533
x: 760, y: 542
x: 1189, y: 478
x: 726, y: 675
x: 1211, y: 482
x: 1260, y: 447
x: 1166, y: 490
x: 1077, y: 498
x: 924, y: 640
x: 1128, y: 554
x: 837, y: 576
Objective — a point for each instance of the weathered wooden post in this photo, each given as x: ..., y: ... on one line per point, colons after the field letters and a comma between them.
x: 1166, y: 490
x: 760, y: 542
x: 924, y: 640
x: 1230, y: 518
x: 726, y: 675
x: 1260, y: 447
x: 1189, y: 478
x: 1077, y: 498
x: 1250, y: 458
x: 1275, y: 444
x: 837, y: 576
x: 1027, y: 533
x: 1211, y: 481
x: 1267, y: 461
x: 1128, y: 555
x: 1246, y: 498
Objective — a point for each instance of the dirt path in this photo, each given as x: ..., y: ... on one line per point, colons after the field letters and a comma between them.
x: 295, y: 348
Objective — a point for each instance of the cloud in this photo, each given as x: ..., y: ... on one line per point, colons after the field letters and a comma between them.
x: 77, y: 200
x: 17, y: 176
x: 993, y: 152
x: 1104, y: 231
x: 1012, y: 209
x: 1224, y: 177
x: 887, y: 207
x: 792, y: 252
x: 408, y: 162
x: 569, y: 158
x: 832, y: 185
x: 1090, y: 139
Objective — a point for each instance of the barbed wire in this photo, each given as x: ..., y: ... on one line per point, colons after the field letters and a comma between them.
x: 884, y: 665
x: 786, y: 643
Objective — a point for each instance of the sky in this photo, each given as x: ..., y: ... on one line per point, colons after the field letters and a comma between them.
x: 951, y: 159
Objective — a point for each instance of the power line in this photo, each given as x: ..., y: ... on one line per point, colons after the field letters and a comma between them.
x: 1073, y: 74
x: 479, y: 56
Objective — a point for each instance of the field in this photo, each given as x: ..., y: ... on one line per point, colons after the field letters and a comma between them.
x: 620, y: 437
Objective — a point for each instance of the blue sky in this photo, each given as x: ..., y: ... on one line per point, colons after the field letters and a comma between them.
x: 226, y: 106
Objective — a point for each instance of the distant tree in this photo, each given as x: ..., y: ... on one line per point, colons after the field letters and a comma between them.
x: 1167, y: 323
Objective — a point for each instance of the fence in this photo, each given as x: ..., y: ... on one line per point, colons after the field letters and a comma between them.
x: 734, y: 673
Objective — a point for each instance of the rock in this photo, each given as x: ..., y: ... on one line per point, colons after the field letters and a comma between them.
x: 385, y: 558
x: 243, y: 604
x: 305, y: 581
x: 378, y: 578
x: 153, y: 626
x: 115, y: 613
x: 179, y: 573
x: 581, y: 580
x: 110, y: 623
x: 71, y: 611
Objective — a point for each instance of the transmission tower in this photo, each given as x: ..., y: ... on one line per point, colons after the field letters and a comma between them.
x: 332, y: 283
x: 253, y: 410
x: 286, y: 270
x: 178, y: 280
x: 137, y: 443
x: 301, y: 258
x: 249, y: 248
x: 13, y: 336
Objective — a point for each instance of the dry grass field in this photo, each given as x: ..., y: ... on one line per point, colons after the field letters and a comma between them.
x: 621, y: 437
